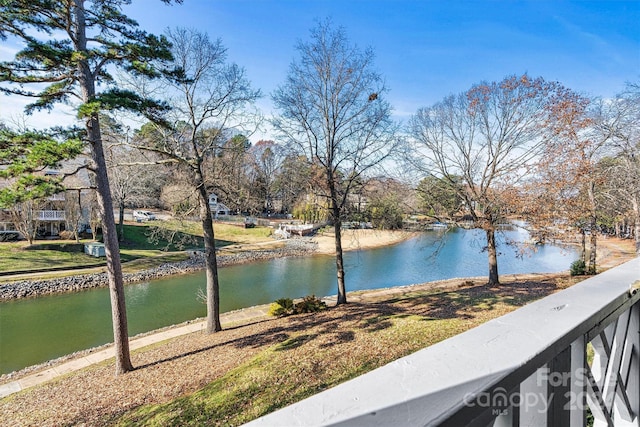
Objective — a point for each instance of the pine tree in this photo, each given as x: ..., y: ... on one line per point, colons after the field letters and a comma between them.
x: 71, y: 47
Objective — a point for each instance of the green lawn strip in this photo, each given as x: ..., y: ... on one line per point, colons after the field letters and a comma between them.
x: 140, y: 244
x: 161, y: 235
x: 318, y: 358
x: 236, y: 234
x: 17, y: 257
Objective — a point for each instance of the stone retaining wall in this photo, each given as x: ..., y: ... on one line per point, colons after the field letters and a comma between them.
x: 34, y: 288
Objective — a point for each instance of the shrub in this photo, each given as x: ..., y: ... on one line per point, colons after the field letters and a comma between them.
x: 281, y: 307
x: 67, y: 235
x: 309, y: 304
x: 578, y: 268
x: 286, y: 307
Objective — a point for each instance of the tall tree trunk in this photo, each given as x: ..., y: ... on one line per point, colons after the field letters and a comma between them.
x: 213, y: 288
x: 635, y: 203
x: 112, y: 251
x: 337, y: 227
x: 30, y: 223
x: 121, y: 220
x: 76, y: 231
x: 593, y: 238
x: 342, y: 290
x: 583, y: 243
x: 593, y: 224
x: 493, y: 256
x: 109, y: 232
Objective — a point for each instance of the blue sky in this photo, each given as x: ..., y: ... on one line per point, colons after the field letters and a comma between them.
x: 426, y: 50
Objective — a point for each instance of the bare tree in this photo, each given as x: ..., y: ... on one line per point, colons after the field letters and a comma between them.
x: 482, y: 143
x: 618, y: 122
x: 570, y: 178
x: 73, y: 212
x: 179, y: 197
x: 332, y: 109
x: 230, y: 173
x: 266, y: 160
x: 209, y: 97
x: 25, y: 218
x: 133, y: 178
x: 291, y: 180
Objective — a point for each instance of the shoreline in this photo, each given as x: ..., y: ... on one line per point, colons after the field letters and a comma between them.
x: 616, y: 252
x: 33, y: 288
x: 610, y: 251
x: 296, y: 247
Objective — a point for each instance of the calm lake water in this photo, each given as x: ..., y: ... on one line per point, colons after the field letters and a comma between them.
x: 36, y: 330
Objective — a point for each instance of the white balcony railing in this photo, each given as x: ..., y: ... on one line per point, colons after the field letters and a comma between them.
x: 57, y: 197
x: 527, y: 368
x: 50, y: 215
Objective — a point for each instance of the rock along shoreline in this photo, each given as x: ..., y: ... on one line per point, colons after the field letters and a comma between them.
x: 35, y: 288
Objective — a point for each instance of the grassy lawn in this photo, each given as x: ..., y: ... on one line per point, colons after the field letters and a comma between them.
x: 18, y: 256
x: 149, y: 244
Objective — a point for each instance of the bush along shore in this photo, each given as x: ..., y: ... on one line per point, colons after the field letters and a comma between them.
x: 35, y: 288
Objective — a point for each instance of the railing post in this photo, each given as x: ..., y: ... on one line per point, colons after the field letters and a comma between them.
x: 559, y: 389
x: 578, y: 397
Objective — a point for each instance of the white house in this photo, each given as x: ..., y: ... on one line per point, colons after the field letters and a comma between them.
x: 217, y: 208
x: 62, y: 211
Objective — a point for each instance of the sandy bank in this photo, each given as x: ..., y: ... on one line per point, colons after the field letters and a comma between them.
x: 360, y: 239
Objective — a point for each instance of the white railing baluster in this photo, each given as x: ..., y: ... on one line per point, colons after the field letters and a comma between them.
x: 507, y: 418
x: 533, y: 398
x: 597, y: 396
x: 51, y: 215
x: 611, y: 388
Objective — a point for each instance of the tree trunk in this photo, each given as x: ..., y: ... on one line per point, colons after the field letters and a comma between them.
x: 493, y: 256
x: 342, y: 290
x: 109, y: 232
x: 593, y: 247
x: 213, y: 288
x: 583, y: 243
x: 112, y: 251
x: 29, y: 228
x: 337, y: 227
x: 76, y: 231
x: 121, y: 221
x: 635, y: 203
x: 593, y: 224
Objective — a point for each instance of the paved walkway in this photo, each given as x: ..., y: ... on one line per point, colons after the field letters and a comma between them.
x: 81, y: 362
